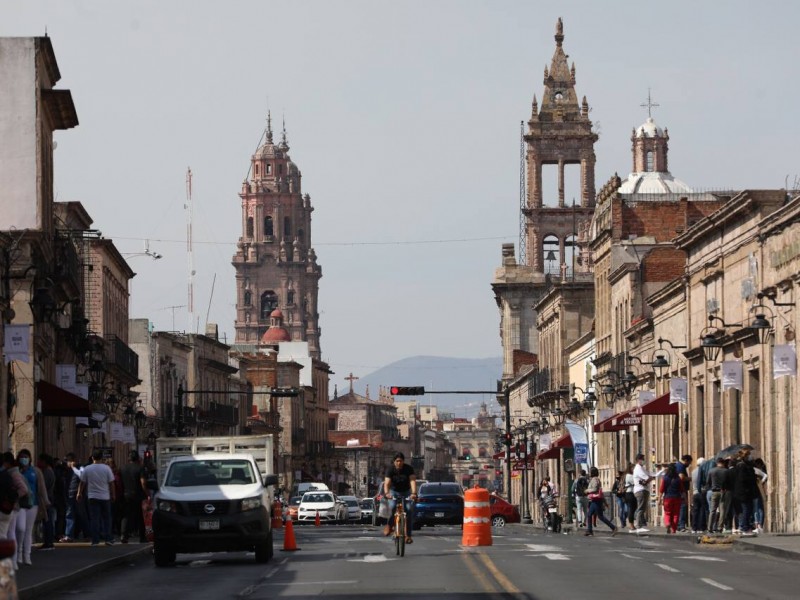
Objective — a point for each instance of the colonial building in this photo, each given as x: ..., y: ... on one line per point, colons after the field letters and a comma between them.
x: 276, y: 266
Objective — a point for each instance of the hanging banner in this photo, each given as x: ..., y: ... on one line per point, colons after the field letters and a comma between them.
x: 646, y: 396
x: 65, y: 376
x: 116, y: 431
x: 128, y: 434
x: 731, y: 375
x: 784, y: 360
x: 603, y: 414
x: 15, y: 344
x: 678, y: 390
x: 581, y: 453
x: 544, y: 441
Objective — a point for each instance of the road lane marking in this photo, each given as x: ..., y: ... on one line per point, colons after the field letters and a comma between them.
x: 667, y: 568
x: 716, y: 584
x: 631, y: 556
x: 543, y: 548
x: 342, y: 582
x: 370, y: 558
x: 700, y: 557
x: 499, y: 576
x: 483, y: 580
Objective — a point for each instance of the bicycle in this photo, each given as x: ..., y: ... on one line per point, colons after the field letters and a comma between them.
x: 399, y: 529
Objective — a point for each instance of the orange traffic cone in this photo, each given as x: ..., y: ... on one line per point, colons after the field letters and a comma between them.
x: 289, y: 543
x: 316, y: 520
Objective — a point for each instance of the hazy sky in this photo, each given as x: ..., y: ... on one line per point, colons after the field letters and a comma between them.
x: 404, y: 118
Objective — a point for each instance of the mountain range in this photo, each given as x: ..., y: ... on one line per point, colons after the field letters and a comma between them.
x: 437, y: 374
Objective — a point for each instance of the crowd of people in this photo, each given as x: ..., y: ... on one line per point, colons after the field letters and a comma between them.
x: 63, y: 500
x: 721, y: 495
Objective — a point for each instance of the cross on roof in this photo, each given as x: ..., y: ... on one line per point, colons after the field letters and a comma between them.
x: 649, y: 104
x: 351, y: 379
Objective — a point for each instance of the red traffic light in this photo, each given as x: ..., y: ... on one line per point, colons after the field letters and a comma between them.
x: 397, y: 390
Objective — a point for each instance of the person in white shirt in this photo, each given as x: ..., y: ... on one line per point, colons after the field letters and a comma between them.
x: 641, y: 490
x: 97, y: 481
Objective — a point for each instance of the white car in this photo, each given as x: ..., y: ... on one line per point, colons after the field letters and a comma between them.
x: 321, y: 503
x: 353, y: 507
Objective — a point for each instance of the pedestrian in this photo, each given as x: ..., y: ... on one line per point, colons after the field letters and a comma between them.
x: 716, y: 482
x: 594, y: 491
x: 760, y: 500
x: 60, y: 499
x: 641, y: 490
x: 11, y: 465
x: 671, y: 495
x: 682, y: 467
x: 117, y: 505
x: 630, y: 498
x: 75, y: 521
x: 726, y: 504
x: 37, y: 511
x: 8, y: 501
x: 45, y: 464
x: 744, y: 491
x: 134, y: 489
x: 581, y: 501
x: 618, y: 491
x: 699, y: 514
x: 97, y: 484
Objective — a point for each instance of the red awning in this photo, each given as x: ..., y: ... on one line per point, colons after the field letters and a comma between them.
x: 618, y: 422
x: 659, y: 406
x: 551, y: 453
x: 565, y: 441
x: 57, y: 402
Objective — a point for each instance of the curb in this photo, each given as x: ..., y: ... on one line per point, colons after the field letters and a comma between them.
x: 747, y: 548
x: 60, y: 581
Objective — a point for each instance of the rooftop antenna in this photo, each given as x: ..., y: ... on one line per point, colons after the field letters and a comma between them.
x: 189, y: 250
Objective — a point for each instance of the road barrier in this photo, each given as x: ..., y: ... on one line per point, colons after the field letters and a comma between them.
x: 277, y: 515
x: 477, y: 530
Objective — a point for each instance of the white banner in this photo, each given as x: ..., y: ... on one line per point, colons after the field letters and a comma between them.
x: 65, y: 376
x: 731, y: 375
x: 116, y: 431
x: 784, y: 360
x: 15, y: 344
x: 646, y: 396
x: 128, y: 434
x: 544, y: 441
x: 678, y: 390
x: 603, y: 414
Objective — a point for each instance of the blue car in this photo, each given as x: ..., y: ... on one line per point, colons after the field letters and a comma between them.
x: 439, y: 503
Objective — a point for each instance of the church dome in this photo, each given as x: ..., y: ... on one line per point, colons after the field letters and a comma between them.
x: 649, y: 129
x: 653, y: 182
x: 276, y: 314
x: 275, y: 334
x: 269, y: 150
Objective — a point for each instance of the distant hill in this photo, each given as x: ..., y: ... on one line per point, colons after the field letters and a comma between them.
x: 437, y: 373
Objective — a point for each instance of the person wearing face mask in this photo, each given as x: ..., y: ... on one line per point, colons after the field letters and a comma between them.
x: 38, y: 500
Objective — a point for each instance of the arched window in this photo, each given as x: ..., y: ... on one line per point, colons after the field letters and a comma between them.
x: 249, y: 227
x: 290, y: 297
x: 649, y: 157
x: 300, y: 234
x: 248, y: 298
x: 287, y: 226
x: 268, y: 226
x: 256, y: 169
x: 269, y: 302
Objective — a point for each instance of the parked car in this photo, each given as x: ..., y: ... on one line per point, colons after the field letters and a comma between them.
x: 439, y: 504
x: 294, y: 504
x: 326, y: 504
x: 502, y: 511
x: 367, y: 509
x: 353, y: 507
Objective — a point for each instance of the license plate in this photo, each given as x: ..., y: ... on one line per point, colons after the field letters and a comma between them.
x: 209, y: 524
x: 552, y: 510
x: 439, y: 515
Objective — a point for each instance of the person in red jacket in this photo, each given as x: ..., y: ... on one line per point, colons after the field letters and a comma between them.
x: 671, y: 494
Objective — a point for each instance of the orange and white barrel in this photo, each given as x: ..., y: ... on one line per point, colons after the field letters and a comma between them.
x: 277, y: 515
x: 477, y: 530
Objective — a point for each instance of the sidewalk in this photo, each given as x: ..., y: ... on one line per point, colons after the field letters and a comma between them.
x: 779, y: 545
x: 68, y: 563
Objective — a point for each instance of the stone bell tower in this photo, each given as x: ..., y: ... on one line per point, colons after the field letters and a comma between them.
x: 276, y: 266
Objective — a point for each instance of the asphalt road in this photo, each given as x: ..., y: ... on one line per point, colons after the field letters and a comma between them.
x: 339, y: 562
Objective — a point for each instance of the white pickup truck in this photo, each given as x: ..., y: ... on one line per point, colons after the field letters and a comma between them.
x: 214, y: 494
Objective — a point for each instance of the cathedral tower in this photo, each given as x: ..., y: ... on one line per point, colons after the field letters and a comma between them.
x: 276, y: 266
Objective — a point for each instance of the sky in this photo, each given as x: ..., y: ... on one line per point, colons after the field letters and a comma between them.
x: 404, y: 118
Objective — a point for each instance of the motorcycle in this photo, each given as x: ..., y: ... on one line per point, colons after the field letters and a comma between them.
x: 552, y: 520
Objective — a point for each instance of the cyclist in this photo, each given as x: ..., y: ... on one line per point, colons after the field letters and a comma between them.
x: 400, y: 482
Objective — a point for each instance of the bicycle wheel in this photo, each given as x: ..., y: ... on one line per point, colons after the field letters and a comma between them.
x: 401, y: 535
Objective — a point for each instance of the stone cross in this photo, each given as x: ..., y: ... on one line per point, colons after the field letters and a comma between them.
x: 351, y: 379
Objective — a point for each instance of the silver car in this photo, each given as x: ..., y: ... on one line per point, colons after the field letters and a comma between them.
x: 353, y: 508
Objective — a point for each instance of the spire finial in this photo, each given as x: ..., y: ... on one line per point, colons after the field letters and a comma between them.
x: 284, y: 140
x: 559, y: 32
x: 649, y: 105
x: 269, y: 127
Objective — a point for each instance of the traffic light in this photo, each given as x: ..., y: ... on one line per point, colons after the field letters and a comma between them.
x: 397, y: 390
x: 468, y: 456
x: 507, y: 438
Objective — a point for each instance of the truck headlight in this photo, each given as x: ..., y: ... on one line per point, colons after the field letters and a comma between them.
x: 251, y: 503
x: 167, y: 506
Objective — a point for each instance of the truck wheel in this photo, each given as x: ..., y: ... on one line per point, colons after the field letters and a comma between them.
x: 163, y: 556
x: 264, y: 551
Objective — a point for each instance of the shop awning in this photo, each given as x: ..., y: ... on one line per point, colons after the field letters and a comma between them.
x: 57, y: 402
x: 551, y: 453
x: 618, y: 422
x: 659, y: 406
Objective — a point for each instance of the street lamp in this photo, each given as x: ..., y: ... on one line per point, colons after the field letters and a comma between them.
x: 526, y: 514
